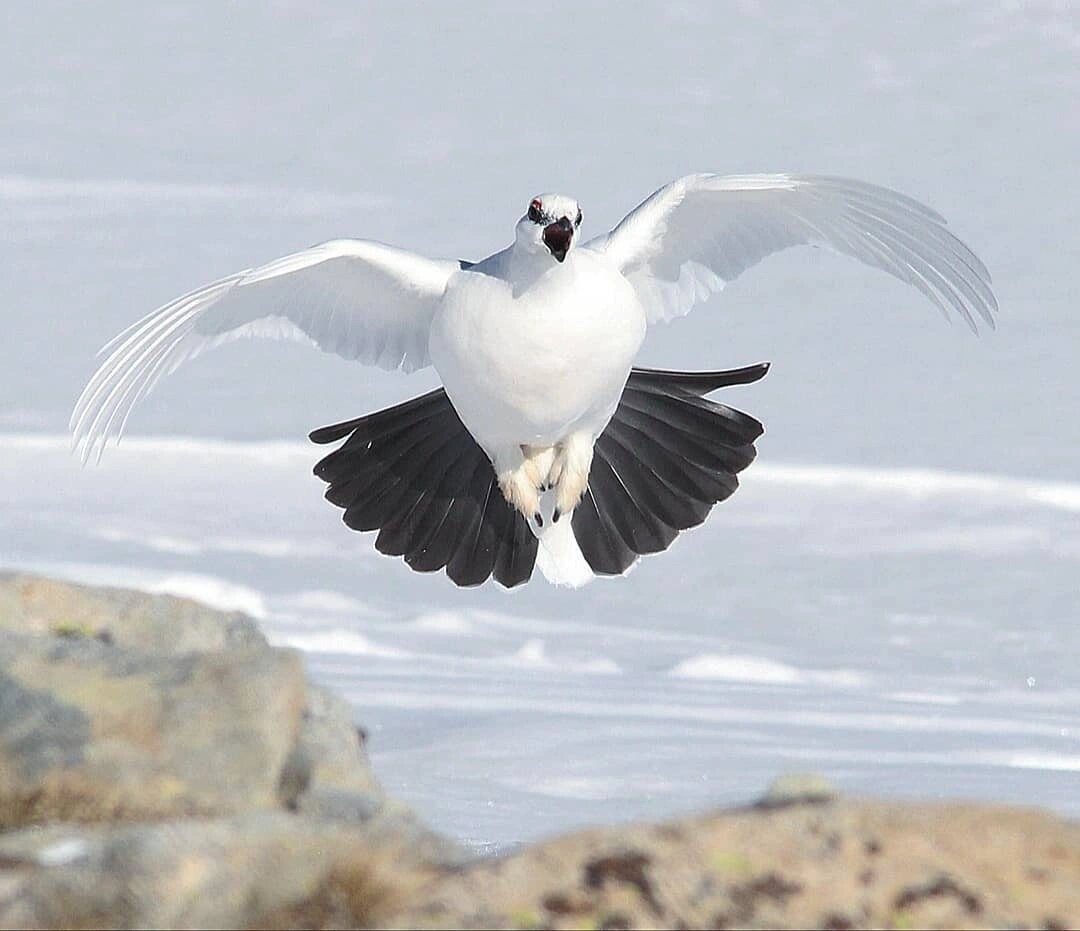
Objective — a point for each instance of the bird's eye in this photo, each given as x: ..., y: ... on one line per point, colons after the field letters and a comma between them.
x: 535, y: 214
x: 577, y: 222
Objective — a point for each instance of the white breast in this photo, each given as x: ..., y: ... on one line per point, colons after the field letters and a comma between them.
x: 531, y: 368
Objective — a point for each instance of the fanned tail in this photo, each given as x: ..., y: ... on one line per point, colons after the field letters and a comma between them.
x: 665, y: 458
x: 414, y: 473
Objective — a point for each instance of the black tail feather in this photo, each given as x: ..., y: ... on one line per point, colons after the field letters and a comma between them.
x: 699, y: 383
x: 460, y: 518
x: 640, y: 529
x: 415, y: 474
x: 380, y: 419
x: 653, y: 496
x: 409, y: 477
x: 517, y: 550
x: 410, y: 527
x: 474, y: 560
x: 672, y: 454
x: 414, y: 534
x: 601, y: 543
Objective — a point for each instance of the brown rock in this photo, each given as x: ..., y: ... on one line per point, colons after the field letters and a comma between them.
x: 253, y: 871
x: 796, y: 865
x: 935, y: 866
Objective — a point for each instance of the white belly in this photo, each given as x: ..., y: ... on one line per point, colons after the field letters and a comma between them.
x: 531, y: 369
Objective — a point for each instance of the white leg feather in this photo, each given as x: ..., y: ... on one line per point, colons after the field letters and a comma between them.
x: 518, y: 481
x: 539, y: 460
x: 570, y: 471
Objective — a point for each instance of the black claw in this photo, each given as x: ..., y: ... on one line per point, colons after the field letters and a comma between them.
x: 539, y: 520
x: 555, y: 517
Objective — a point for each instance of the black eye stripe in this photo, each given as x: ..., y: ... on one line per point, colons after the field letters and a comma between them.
x: 537, y: 214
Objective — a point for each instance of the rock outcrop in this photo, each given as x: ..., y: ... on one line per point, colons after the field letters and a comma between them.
x: 162, y: 766
x: 159, y: 708
x: 809, y: 863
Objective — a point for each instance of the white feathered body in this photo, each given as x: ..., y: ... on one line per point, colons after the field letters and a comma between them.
x: 533, y: 367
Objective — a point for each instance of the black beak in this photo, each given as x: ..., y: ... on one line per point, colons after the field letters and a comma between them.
x: 557, y: 238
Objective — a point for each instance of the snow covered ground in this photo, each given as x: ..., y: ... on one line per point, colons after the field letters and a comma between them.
x: 892, y: 598
x: 902, y: 632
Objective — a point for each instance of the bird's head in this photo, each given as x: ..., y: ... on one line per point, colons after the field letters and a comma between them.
x: 550, y: 225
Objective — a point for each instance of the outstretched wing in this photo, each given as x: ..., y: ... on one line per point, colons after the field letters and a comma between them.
x: 362, y: 300
x: 685, y: 241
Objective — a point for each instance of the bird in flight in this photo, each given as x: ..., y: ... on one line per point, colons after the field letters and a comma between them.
x: 545, y: 446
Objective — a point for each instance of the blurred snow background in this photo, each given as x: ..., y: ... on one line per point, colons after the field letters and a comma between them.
x: 893, y: 596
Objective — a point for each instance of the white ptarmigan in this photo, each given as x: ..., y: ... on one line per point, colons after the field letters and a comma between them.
x: 544, y: 446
